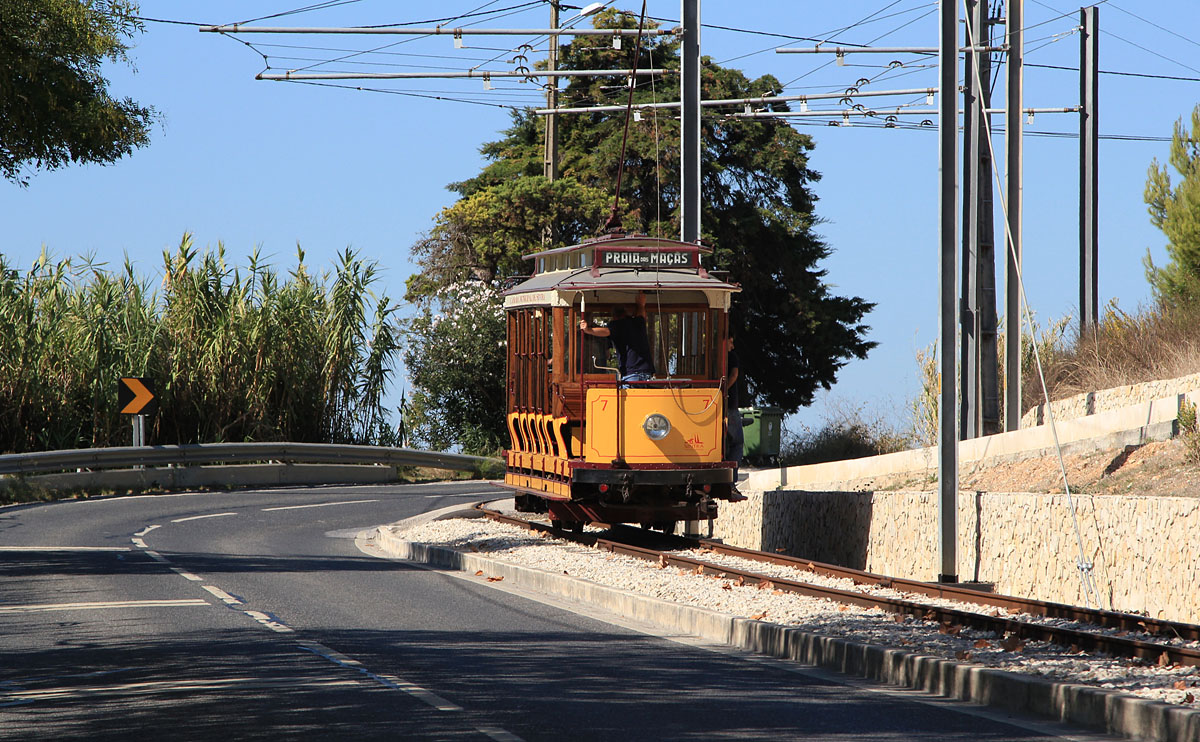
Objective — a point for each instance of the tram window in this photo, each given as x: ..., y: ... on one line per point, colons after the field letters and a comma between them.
x: 680, y: 343
x: 598, y: 348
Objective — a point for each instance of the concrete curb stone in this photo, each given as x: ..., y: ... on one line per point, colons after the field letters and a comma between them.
x: 1097, y: 709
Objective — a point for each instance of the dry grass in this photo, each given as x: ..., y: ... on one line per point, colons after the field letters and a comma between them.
x: 1153, y: 343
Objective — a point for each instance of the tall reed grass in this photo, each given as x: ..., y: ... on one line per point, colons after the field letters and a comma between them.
x: 238, y: 354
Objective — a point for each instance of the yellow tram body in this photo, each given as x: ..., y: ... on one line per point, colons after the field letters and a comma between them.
x: 615, y: 418
x: 582, y: 444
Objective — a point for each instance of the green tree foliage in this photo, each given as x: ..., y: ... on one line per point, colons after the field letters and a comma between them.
x: 1175, y: 209
x: 794, y: 334
x: 454, y: 352
x: 483, y: 235
x: 236, y: 354
x: 55, y: 107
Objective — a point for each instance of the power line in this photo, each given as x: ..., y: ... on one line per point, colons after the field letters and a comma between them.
x: 1152, y: 23
x: 1117, y: 72
x: 1149, y: 51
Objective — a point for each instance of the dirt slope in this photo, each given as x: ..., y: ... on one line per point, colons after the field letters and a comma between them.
x: 1152, y: 469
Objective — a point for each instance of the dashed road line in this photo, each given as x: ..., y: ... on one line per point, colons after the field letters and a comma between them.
x: 391, y: 681
x: 424, y: 695
x: 146, y: 530
x: 223, y: 596
x: 186, y: 575
x: 269, y: 622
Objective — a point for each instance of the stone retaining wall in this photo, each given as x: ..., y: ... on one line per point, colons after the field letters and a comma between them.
x: 1090, y: 403
x: 1145, y: 551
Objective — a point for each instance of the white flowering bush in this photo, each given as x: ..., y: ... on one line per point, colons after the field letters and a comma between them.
x: 455, y: 353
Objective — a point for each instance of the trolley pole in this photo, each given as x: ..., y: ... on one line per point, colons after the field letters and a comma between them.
x: 689, y: 96
x: 948, y: 272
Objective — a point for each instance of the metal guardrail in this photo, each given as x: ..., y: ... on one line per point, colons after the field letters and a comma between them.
x: 42, y: 462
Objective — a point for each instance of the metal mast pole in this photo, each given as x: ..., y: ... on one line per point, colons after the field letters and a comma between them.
x: 948, y: 272
x: 980, y: 414
x: 550, y: 154
x: 1013, y: 139
x: 550, y: 161
x: 1089, y: 183
x: 689, y: 96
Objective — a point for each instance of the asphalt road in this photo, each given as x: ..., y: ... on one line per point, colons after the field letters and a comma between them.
x: 255, y: 615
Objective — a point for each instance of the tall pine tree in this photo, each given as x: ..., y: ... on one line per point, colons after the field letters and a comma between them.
x: 1175, y: 209
x: 794, y: 334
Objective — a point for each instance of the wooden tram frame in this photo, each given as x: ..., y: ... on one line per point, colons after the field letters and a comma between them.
x: 549, y: 389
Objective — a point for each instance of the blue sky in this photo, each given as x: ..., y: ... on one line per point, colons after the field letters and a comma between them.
x: 249, y: 162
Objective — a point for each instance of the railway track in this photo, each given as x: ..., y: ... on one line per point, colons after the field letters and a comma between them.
x: 1088, y: 630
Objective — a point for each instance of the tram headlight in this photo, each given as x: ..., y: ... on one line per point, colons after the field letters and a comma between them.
x: 656, y: 426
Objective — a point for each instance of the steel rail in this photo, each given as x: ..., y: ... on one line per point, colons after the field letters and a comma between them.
x: 42, y: 462
x: 1047, y: 609
x: 948, y: 617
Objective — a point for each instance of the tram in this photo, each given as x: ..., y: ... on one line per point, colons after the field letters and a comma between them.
x: 585, y: 445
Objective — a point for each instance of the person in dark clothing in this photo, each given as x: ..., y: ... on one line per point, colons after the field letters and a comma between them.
x: 627, y: 333
x: 734, y: 437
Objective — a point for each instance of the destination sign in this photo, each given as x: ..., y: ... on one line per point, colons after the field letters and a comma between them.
x: 646, y: 259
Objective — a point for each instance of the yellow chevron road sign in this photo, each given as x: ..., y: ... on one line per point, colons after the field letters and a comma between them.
x: 136, y: 395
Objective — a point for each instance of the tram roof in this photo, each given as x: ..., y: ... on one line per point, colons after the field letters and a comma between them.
x: 617, y: 263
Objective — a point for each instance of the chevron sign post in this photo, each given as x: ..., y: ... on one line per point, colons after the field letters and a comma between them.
x: 136, y: 396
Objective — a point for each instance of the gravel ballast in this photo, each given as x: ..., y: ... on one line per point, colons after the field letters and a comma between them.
x: 1171, y: 693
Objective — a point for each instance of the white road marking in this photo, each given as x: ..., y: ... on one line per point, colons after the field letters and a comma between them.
x: 269, y: 622
x: 198, y: 517
x: 65, y: 548
x: 318, y: 505
x: 221, y: 595
x: 150, y: 687
x: 156, y: 556
x: 391, y: 681
x: 185, y: 574
x: 138, y: 543
x: 499, y: 734
x: 146, y: 530
x: 101, y: 605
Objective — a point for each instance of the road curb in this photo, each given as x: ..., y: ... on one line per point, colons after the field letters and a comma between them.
x: 1097, y: 709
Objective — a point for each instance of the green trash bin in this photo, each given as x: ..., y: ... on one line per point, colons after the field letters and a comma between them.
x: 761, y: 428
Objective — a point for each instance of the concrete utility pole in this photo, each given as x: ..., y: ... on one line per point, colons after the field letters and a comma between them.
x: 980, y: 413
x: 1089, y: 181
x: 947, y: 274
x: 1013, y: 140
x: 689, y: 97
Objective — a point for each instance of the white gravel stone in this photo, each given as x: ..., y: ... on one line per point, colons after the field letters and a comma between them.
x: 1177, y: 685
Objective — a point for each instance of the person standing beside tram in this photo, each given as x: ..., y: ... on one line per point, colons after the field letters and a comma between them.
x: 627, y: 333
x: 734, y: 435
